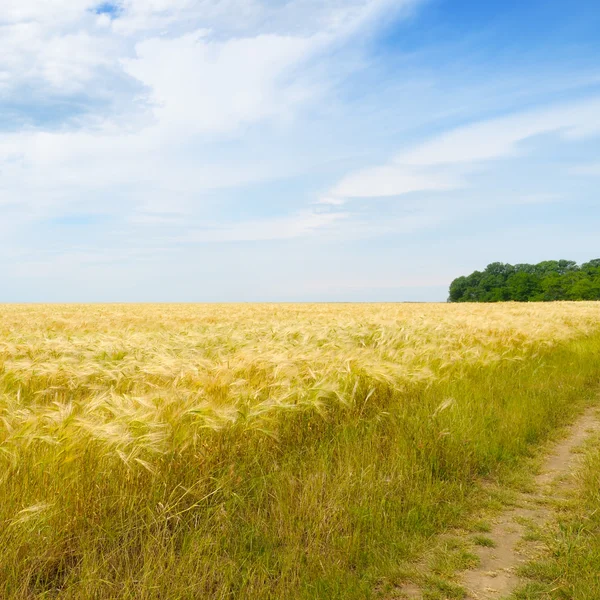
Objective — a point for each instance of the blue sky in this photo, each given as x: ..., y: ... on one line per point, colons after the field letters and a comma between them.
x: 262, y: 150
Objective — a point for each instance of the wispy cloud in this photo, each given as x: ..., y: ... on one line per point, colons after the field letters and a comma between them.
x: 498, y: 138
x: 193, y: 90
x: 445, y: 161
x: 392, y: 180
x: 301, y: 225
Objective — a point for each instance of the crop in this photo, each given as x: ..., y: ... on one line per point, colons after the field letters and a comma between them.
x: 263, y: 451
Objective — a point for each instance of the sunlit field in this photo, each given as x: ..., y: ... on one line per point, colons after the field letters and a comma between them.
x: 264, y: 451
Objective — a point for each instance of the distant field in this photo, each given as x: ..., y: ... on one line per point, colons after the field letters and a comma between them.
x: 264, y: 451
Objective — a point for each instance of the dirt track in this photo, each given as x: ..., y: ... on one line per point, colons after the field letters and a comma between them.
x: 495, y: 577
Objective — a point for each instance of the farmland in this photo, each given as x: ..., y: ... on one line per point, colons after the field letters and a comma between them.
x: 264, y: 451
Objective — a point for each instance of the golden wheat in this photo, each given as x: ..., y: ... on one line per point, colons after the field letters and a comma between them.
x: 161, y: 414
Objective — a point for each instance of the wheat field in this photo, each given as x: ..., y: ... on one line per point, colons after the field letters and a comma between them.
x: 264, y: 451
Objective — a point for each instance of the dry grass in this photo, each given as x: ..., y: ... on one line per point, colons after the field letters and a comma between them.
x: 262, y: 451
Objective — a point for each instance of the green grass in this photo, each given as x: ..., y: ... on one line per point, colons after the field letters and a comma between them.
x: 480, y: 526
x: 326, y: 502
x: 482, y: 540
x: 437, y: 588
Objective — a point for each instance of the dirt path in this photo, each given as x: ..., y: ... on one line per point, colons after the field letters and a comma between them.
x: 495, y: 576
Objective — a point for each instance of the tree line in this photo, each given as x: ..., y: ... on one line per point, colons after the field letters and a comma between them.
x: 547, y: 281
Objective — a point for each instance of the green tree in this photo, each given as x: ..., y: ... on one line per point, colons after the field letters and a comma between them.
x: 585, y: 289
x: 545, y: 281
x: 458, y: 289
x: 523, y: 286
x: 553, y: 287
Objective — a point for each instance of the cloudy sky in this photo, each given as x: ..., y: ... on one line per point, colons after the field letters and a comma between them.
x: 250, y: 150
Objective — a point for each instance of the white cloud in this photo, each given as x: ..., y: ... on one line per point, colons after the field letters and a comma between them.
x: 63, y: 45
x: 501, y: 137
x: 444, y: 162
x: 51, y: 12
x: 200, y: 85
x: 31, y: 55
x: 330, y: 201
x: 53, y: 47
x: 391, y: 180
x: 239, y: 18
x: 301, y: 224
